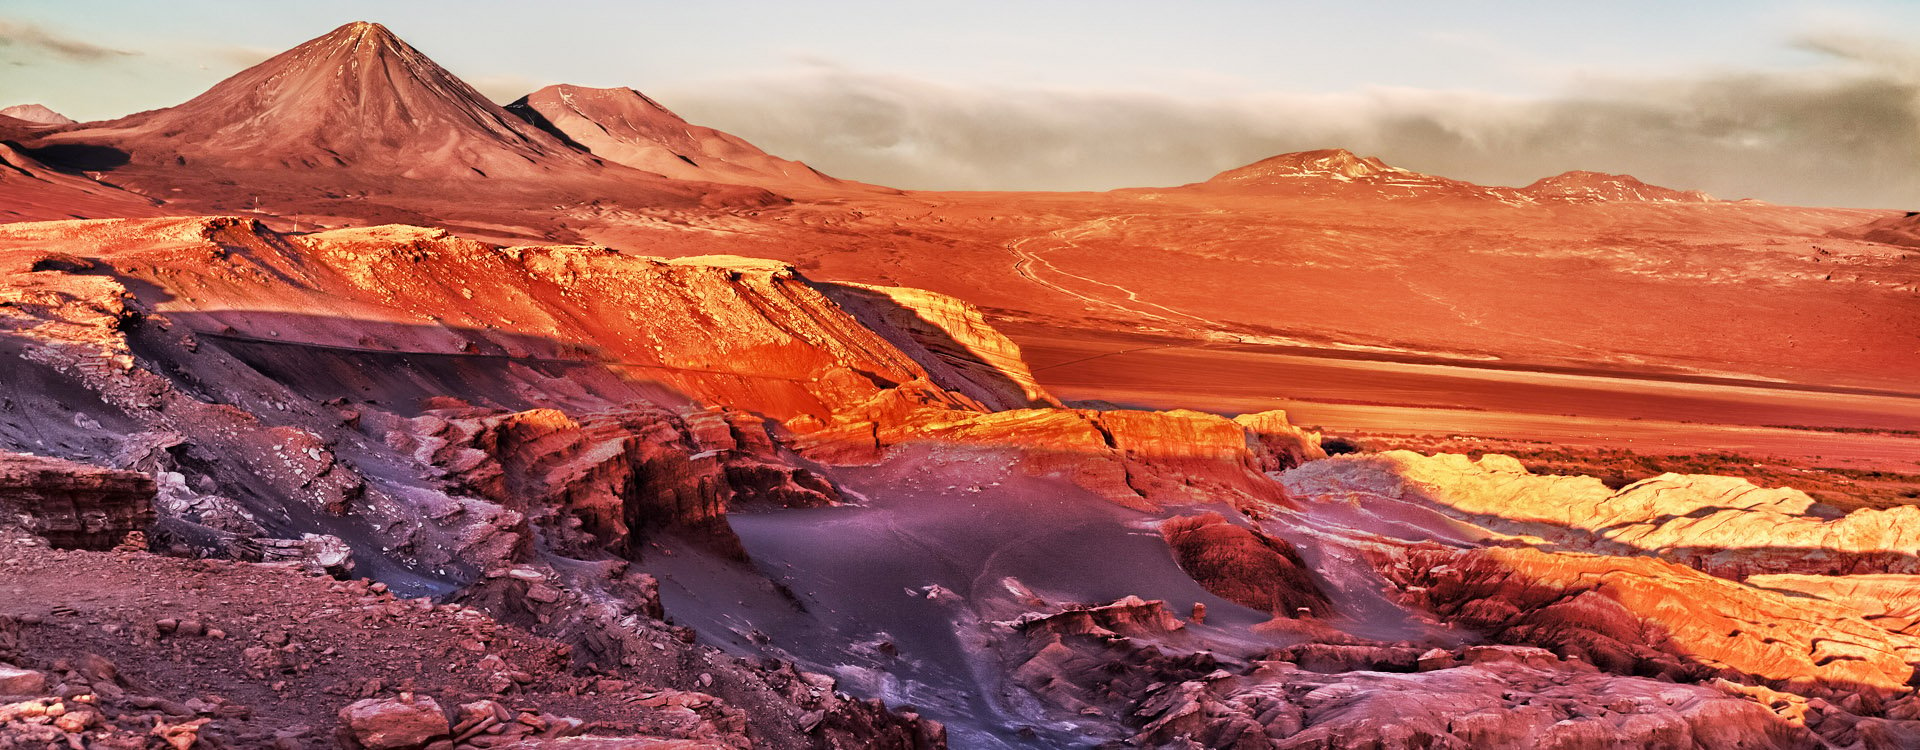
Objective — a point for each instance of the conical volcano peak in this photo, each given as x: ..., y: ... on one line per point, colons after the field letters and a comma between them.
x: 363, y: 29
x: 357, y: 97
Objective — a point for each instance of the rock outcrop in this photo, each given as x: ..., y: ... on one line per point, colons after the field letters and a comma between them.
x: 1640, y: 616
x: 1722, y: 525
x: 73, y: 505
x: 1138, y: 459
x: 1599, y: 187
x: 1243, y: 565
x: 951, y: 338
x: 1488, y: 705
x: 603, y: 481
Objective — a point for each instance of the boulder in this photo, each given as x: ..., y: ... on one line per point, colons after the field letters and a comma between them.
x: 401, y: 723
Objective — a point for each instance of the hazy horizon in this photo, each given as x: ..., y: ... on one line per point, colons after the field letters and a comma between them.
x: 1793, y: 102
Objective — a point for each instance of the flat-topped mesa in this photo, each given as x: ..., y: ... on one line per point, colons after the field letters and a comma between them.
x: 627, y: 127
x: 358, y: 97
x: 1580, y: 186
x: 73, y: 505
x: 1331, y: 163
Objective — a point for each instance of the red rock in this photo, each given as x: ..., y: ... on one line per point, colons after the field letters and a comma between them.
x: 1243, y: 565
x: 399, y: 723
x: 21, y: 682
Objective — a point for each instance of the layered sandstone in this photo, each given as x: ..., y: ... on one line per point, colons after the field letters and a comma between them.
x: 73, y: 505
x: 604, y: 481
x: 1135, y: 458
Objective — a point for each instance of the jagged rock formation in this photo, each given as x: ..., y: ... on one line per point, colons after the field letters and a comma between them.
x: 626, y: 127
x: 73, y: 505
x: 1889, y: 601
x: 1722, y: 525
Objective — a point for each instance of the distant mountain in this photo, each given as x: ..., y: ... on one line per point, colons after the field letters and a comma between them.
x: 357, y: 98
x: 1338, y: 171
x: 36, y: 113
x: 626, y: 127
x: 1331, y: 163
x: 1902, y: 229
x: 1599, y: 187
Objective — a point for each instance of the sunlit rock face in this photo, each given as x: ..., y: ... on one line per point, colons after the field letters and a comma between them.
x: 1722, y: 525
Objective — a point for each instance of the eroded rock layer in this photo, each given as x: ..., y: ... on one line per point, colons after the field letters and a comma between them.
x: 73, y: 505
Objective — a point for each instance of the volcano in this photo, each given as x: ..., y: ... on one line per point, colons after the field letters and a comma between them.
x: 356, y: 98
x: 627, y: 127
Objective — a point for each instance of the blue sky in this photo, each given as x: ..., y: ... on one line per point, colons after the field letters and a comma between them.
x: 734, y: 64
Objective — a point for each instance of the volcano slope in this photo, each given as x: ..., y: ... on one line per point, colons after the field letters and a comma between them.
x: 717, y: 499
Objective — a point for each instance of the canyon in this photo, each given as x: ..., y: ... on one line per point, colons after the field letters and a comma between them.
x: 341, y: 406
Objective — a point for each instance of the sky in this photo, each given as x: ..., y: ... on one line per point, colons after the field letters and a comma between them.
x: 1813, y: 103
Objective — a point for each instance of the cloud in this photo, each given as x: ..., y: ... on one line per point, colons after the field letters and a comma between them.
x: 19, y: 37
x: 1843, y: 132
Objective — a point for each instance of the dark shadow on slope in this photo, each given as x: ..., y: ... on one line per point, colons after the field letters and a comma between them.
x: 80, y: 157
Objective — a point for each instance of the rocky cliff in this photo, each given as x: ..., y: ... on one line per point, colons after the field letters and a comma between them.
x: 73, y: 505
